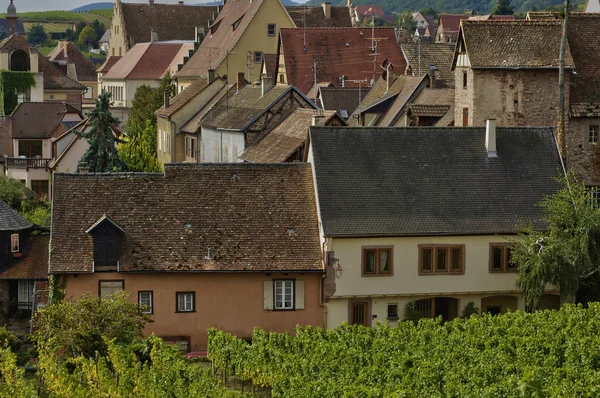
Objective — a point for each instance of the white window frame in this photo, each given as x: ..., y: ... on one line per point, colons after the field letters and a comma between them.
x: 593, y: 133
x: 281, y: 289
x: 185, y: 302
x: 14, y: 243
x: 147, y: 301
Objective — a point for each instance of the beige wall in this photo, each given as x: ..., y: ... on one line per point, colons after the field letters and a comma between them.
x: 68, y: 163
x: 116, y: 44
x: 231, y: 302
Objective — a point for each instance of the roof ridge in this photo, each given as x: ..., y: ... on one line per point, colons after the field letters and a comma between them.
x: 552, y: 22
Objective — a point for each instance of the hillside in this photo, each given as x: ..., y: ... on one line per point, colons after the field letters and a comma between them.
x: 451, y: 6
x: 93, y: 6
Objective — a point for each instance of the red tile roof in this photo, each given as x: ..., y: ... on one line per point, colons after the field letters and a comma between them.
x: 146, y: 61
x: 314, y: 16
x: 367, y: 11
x: 450, y: 23
x: 84, y: 69
x: 39, y: 119
x: 338, y: 52
x: 109, y: 63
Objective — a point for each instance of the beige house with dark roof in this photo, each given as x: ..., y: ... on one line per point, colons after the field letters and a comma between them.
x: 191, y: 261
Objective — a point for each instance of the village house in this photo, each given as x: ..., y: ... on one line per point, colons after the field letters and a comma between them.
x: 238, y: 248
x: 23, y: 269
x: 346, y: 57
x: 235, y: 43
x: 321, y: 16
x: 77, y: 67
x: 134, y: 23
x: 447, y: 28
x: 343, y: 100
x: 432, y: 224
x: 430, y: 58
x: 432, y: 107
x: 592, y: 6
x: 144, y: 64
x: 27, y: 141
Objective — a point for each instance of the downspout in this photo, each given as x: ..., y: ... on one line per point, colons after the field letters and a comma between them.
x: 174, y: 155
x: 321, y: 302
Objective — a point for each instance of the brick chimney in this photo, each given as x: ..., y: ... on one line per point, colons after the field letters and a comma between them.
x: 153, y: 35
x: 211, y: 75
x: 490, y: 138
x: 326, y: 10
x: 241, y: 82
x: 318, y: 116
x: 266, y: 83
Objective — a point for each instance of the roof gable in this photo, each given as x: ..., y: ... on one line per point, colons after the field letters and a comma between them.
x: 422, y: 56
x: 39, y: 119
x: 147, y: 61
x: 85, y: 70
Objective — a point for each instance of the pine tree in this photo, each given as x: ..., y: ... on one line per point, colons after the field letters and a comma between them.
x: 102, y: 155
x: 503, y: 8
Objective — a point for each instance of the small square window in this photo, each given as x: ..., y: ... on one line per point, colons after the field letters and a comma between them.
x: 108, y: 288
x: 271, y: 29
x: 14, y: 243
x: 500, y: 258
x: 594, y: 130
x: 186, y: 301
x: 145, y: 300
x: 258, y: 56
x: 392, y: 311
x: 284, y: 295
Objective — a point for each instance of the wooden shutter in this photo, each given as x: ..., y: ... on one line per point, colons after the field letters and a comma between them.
x: 299, y: 295
x: 268, y: 295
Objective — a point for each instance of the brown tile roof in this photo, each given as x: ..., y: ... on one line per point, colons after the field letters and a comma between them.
x: 172, y: 21
x: 270, y: 61
x: 367, y: 11
x: 542, y: 15
x: 194, y: 124
x: 438, y: 54
x: 428, y: 110
x: 84, y: 69
x: 490, y: 17
x: 517, y: 44
x: 435, y: 96
x: 342, y: 98
x: 33, y: 264
x: 447, y: 120
x: 281, y: 142
x: 247, y: 217
x: 148, y: 61
x: 315, y: 17
x: 379, y: 92
x: 584, y: 41
x: 338, y: 52
x: 216, y: 44
x: 450, y: 23
x: 39, y: 119
x: 183, y: 98
x: 109, y: 63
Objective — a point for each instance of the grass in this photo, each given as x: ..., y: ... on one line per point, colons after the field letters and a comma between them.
x: 103, y: 16
x: 49, y: 27
x: 104, y: 13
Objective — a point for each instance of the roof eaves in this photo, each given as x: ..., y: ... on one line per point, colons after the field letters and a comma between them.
x: 397, y: 115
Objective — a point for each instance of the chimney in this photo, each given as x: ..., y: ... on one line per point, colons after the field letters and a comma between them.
x: 266, y: 84
x: 180, y: 2
x: 317, y: 117
x: 241, y: 82
x: 11, y: 16
x: 151, y: 2
x: 490, y: 138
x: 64, y: 45
x: 326, y: 10
x: 153, y: 35
x: 167, y: 99
x: 83, y: 168
x: 211, y: 75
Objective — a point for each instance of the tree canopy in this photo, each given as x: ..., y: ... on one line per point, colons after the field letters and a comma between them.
x: 37, y: 35
x: 503, y: 8
x: 87, y: 37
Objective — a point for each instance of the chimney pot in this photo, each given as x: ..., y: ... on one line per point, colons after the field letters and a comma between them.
x: 211, y: 75
x: 241, y: 82
x: 326, y: 10
x: 266, y: 84
x: 167, y: 99
x: 490, y: 138
x: 180, y: 2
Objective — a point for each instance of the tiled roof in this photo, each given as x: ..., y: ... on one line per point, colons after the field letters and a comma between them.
x: 542, y: 15
x: 315, y: 17
x: 380, y: 93
x: 430, y: 23
x: 514, y: 44
x: 447, y: 120
x: 194, y: 124
x: 225, y: 218
x: 39, y: 119
x: 368, y: 11
x: 450, y: 23
x: 221, y: 37
x: 271, y: 65
x: 432, y: 181
x: 33, y: 264
x: 172, y: 21
x: 10, y: 220
x: 281, y: 142
x: 338, y: 52
x: 435, y: 96
x: 584, y: 41
x: 343, y: 98
x: 491, y: 17
x: 179, y: 101
x: 428, y: 110
x: 109, y: 63
x: 84, y: 69
x: 148, y: 60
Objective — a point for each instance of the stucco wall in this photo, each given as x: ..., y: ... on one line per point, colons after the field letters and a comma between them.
x: 582, y: 156
x: 231, y: 302
x: 218, y: 146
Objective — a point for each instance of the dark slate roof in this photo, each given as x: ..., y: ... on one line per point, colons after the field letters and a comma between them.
x: 33, y: 264
x: 251, y: 217
x: 431, y: 181
x: 10, y: 220
x: 519, y: 44
x: 39, y: 119
x: 315, y: 17
x: 172, y: 21
x: 438, y: 54
x: 342, y: 98
x: 584, y: 40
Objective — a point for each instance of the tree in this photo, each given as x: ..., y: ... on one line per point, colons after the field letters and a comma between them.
x: 138, y: 150
x: 99, y: 29
x: 405, y: 21
x: 102, y: 155
x: 36, y: 35
x: 87, y: 37
x: 429, y: 11
x: 567, y: 254
x: 503, y: 8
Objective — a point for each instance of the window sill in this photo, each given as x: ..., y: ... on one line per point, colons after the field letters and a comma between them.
x: 371, y: 275
x: 184, y: 312
x: 441, y: 273
x: 393, y: 319
x: 283, y: 310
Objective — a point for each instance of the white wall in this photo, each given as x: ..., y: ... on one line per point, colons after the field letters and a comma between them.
x: 220, y: 146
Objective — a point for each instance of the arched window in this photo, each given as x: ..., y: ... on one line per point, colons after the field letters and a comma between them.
x: 19, y: 61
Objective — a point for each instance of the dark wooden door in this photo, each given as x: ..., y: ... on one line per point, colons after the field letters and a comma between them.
x: 465, y: 122
x: 359, y: 314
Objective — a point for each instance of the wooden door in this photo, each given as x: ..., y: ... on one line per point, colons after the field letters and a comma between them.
x: 359, y: 313
x: 465, y: 112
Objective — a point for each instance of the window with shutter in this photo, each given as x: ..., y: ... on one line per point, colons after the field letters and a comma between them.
x: 107, y: 237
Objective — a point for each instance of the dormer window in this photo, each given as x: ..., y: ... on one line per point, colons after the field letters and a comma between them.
x: 213, y: 28
x: 14, y: 243
x: 107, y: 237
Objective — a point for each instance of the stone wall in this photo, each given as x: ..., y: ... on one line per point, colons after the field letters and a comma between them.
x: 463, y: 96
x: 582, y: 156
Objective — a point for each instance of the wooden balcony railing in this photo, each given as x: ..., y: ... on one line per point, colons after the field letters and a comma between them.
x: 27, y: 163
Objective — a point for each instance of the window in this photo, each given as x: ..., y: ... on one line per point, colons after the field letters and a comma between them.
x: 14, y: 243
x: 22, y: 97
x: 465, y: 120
x: 595, y: 196
x: 284, y: 295
x: 186, y: 301
x: 166, y: 142
x: 40, y: 187
x: 464, y: 79
x: 145, y: 300
x: 441, y: 259
x: 271, y: 29
x: 258, y: 57
x: 190, y: 147
x: 30, y: 148
x: 89, y: 93
x: 377, y: 260
x: 392, y: 311
x: 51, y: 96
x: 281, y: 78
x: 594, y: 129
x: 107, y: 288
x: 516, y: 102
x: 500, y: 255
x: 25, y: 294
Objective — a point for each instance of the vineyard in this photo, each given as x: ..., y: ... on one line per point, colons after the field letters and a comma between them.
x: 545, y: 354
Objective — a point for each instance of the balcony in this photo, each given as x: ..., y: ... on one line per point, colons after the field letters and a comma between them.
x: 27, y: 163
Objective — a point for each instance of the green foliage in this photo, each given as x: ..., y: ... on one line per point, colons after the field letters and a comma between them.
x: 105, y: 12
x: 565, y: 255
x: 12, y: 379
x: 469, y: 310
x: 429, y: 11
x: 37, y: 211
x: 406, y: 22
x: 36, y: 35
x: 19, y: 197
x: 11, y: 84
x: 411, y: 313
x: 503, y: 8
x: 487, y: 356
x: 9, y: 340
x: 87, y: 37
x: 56, y: 291
x: 102, y: 155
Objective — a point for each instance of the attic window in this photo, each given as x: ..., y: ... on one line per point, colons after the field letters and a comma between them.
x: 107, y: 238
x: 14, y: 243
x: 237, y: 23
x: 344, y: 113
x: 215, y: 26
